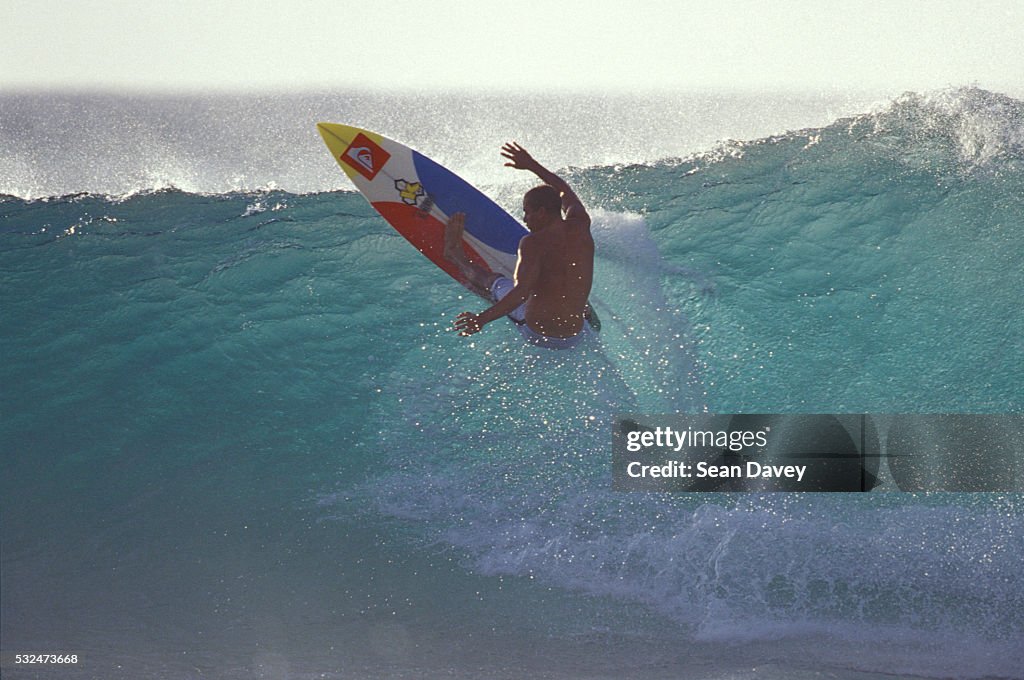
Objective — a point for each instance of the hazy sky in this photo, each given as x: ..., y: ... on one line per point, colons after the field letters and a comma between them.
x: 549, y: 45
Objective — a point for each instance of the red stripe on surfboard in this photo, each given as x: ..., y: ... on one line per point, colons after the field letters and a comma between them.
x: 426, y: 234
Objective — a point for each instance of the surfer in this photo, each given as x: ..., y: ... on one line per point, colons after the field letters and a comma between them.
x: 555, y: 266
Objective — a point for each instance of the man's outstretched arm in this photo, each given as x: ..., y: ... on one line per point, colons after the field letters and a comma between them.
x: 521, y: 159
x: 527, y: 272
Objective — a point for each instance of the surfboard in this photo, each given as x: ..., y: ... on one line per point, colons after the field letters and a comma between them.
x: 416, y: 196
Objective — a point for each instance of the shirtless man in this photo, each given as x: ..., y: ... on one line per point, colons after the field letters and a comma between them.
x: 555, y: 269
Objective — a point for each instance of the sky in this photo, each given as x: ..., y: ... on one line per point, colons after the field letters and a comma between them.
x: 596, y: 45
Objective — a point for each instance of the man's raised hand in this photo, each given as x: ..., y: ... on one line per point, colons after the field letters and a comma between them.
x: 519, y: 158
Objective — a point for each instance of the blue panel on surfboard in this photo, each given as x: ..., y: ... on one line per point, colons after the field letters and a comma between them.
x: 484, y: 219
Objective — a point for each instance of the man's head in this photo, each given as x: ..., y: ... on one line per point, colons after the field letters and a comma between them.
x: 541, y: 205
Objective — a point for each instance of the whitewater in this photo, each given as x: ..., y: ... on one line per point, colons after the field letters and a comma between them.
x: 240, y: 439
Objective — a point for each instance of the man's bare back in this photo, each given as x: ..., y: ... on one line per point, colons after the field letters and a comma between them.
x: 555, y: 269
x: 565, y: 274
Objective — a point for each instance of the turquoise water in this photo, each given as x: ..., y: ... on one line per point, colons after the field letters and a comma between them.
x: 240, y: 440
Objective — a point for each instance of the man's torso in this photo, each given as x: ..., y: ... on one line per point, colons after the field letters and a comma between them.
x: 566, y: 275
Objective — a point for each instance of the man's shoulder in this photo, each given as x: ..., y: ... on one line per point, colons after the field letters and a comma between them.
x: 576, y: 214
x: 578, y: 230
x: 530, y: 243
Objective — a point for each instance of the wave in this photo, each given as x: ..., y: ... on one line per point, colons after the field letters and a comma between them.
x: 877, y: 250
x: 964, y: 129
x: 865, y: 265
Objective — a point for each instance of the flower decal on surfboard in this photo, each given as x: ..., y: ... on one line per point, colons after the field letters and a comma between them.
x: 410, y: 192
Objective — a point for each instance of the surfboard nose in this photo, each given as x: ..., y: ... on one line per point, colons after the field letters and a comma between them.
x: 333, y: 131
x: 323, y: 129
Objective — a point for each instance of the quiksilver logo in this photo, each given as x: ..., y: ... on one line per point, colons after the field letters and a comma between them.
x: 363, y: 156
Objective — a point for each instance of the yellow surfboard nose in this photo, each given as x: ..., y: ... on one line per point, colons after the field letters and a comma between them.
x: 339, y: 139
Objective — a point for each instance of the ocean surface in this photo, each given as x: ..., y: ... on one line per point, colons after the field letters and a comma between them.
x: 239, y: 439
